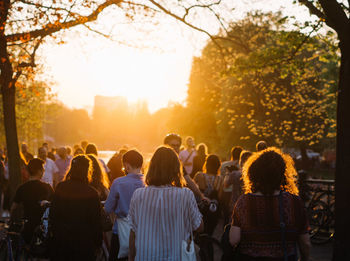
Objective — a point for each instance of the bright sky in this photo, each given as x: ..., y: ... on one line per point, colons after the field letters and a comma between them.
x: 91, y: 65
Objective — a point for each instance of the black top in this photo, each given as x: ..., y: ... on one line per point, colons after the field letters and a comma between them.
x: 75, y: 216
x: 30, y: 194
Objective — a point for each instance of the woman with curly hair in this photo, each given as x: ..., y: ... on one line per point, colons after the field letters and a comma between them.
x: 270, y: 219
x: 99, y: 179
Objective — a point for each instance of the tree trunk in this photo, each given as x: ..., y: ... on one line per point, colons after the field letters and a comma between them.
x: 342, y: 173
x: 8, y: 91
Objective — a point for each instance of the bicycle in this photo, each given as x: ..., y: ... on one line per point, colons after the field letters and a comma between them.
x: 12, y: 245
x: 321, y: 212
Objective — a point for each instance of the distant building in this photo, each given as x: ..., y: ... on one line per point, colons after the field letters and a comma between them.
x: 107, y: 103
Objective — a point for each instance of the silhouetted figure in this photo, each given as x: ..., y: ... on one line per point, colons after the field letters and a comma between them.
x: 116, y: 166
x: 29, y: 195
x: 75, y: 215
x: 199, y: 159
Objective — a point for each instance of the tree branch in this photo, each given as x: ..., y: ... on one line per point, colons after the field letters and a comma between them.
x: 57, y: 26
x: 313, y: 9
x: 335, y: 15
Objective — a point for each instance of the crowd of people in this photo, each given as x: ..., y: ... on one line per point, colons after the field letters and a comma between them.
x: 158, y: 215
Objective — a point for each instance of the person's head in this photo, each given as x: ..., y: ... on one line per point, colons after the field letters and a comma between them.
x: 132, y: 161
x: 164, y: 169
x: 76, y: 146
x: 62, y: 152
x: 24, y: 147
x: 98, y: 175
x: 91, y: 149
x: 236, y: 152
x: 80, y: 169
x: 174, y: 141
x: 202, y: 149
x: 46, y: 145
x: 261, y: 145
x: 42, y: 153
x: 245, y: 154
x: 36, y: 168
x: 84, y: 144
x: 69, y: 150
x: 190, y: 142
x: 268, y: 171
x: 78, y: 151
x: 212, y: 164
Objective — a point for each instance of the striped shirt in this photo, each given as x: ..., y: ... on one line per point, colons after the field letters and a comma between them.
x: 161, y: 218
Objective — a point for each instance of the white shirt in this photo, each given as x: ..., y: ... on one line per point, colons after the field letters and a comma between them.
x: 188, y: 165
x: 161, y: 218
x: 50, y: 170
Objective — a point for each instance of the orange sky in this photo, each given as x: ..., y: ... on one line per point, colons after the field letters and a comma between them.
x: 90, y: 65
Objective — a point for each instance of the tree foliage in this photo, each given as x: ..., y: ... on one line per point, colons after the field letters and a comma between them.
x: 266, y: 82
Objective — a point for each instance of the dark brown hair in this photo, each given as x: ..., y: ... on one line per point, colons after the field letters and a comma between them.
x: 164, y: 169
x: 269, y: 170
x: 80, y: 169
x: 236, y: 152
x: 212, y: 164
x: 134, y: 158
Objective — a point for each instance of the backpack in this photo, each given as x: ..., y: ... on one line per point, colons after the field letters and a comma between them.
x: 39, y: 244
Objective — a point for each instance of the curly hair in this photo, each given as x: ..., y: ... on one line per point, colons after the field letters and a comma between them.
x: 164, y: 169
x: 269, y: 170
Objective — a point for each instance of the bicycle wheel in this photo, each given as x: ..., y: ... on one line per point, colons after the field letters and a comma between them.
x: 320, y: 217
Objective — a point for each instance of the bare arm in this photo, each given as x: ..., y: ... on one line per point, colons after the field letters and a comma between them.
x: 132, y: 248
x: 200, y: 228
x: 192, y: 186
x: 304, y: 246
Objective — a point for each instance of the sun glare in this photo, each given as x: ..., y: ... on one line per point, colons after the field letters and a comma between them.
x: 148, y: 75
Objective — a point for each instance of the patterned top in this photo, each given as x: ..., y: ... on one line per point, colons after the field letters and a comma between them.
x: 259, y: 219
x: 161, y: 218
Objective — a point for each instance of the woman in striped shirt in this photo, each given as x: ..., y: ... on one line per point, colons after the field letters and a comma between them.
x: 163, y: 213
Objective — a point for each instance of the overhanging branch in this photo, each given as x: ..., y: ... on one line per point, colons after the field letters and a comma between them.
x: 53, y: 28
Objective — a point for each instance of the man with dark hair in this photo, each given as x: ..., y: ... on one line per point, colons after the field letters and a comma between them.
x: 30, y: 194
x: 119, y: 197
x: 174, y: 141
x: 261, y: 145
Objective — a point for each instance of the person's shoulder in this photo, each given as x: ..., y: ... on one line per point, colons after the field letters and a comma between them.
x: 293, y: 197
x: 139, y: 192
